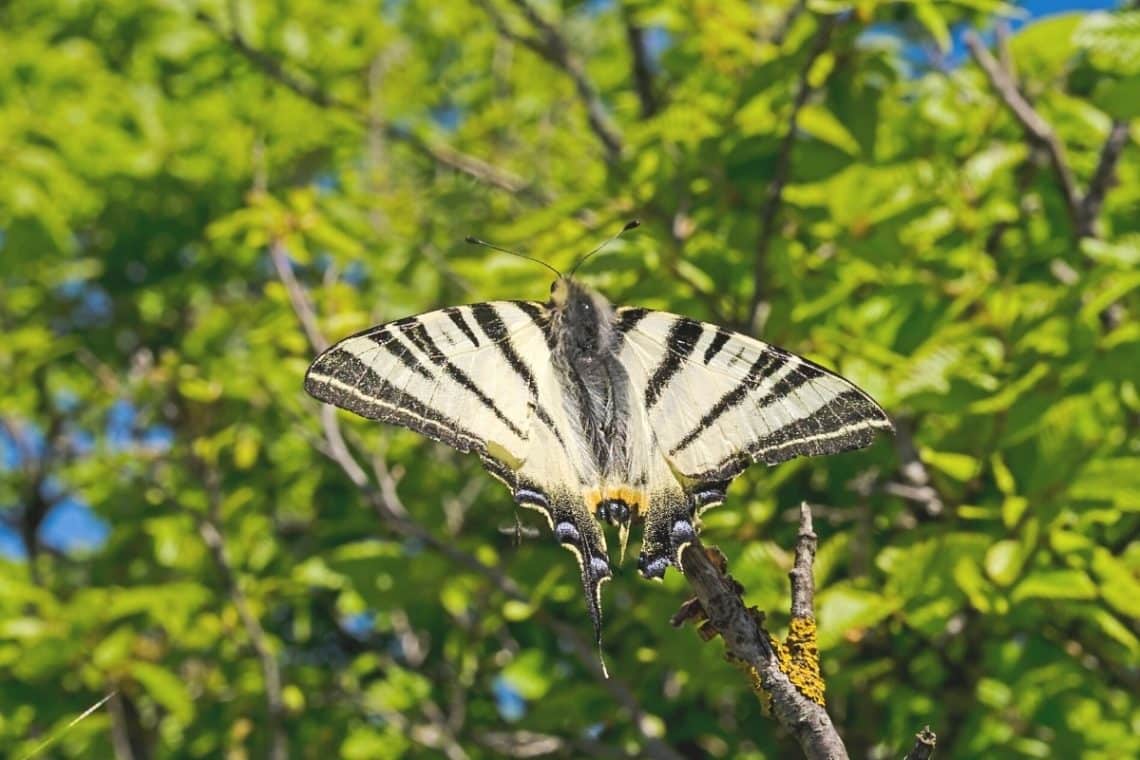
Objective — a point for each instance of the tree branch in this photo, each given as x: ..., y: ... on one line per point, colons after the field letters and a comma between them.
x: 642, y: 75
x: 924, y: 743
x: 788, y: 672
x: 774, y: 196
x: 1083, y: 209
x: 209, y: 526
x: 551, y: 45
x: 1035, y: 127
x: 440, y: 154
x: 766, y: 660
x: 1104, y: 175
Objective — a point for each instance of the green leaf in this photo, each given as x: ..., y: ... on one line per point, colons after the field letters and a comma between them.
x: 930, y: 16
x: 822, y: 124
x: 1115, y: 481
x: 1119, y: 584
x: 961, y: 467
x: 843, y: 609
x: 1045, y: 46
x: 1055, y: 584
x: 165, y: 688
x: 1111, y: 40
x: 1004, y: 561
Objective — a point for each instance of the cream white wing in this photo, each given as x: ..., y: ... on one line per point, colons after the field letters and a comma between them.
x: 454, y: 375
x: 718, y: 400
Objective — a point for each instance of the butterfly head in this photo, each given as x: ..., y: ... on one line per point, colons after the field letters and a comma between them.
x: 583, y: 315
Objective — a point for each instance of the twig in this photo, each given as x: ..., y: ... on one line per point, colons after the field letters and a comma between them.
x: 1103, y: 176
x: 551, y: 45
x: 924, y: 743
x: 797, y: 705
x: 441, y: 154
x: 1035, y: 127
x: 209, y: 526
x: 788, y: 672
x: 774, y: 196
x: 801, y: 577
x: 917, y: 485
x: 127, y: 737
x: 642, y: 76
x: 1083, y: 209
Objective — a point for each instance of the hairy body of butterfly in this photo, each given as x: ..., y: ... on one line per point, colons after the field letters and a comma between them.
x: 588, y: 412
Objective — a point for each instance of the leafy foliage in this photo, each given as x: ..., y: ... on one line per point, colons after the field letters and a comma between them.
x: 982, y: 576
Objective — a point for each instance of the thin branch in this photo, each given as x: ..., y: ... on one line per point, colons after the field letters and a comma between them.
x: 788, y: 672
x: 780, y: 33
x: 209, y: 526
x: 750, y: 644
x: 924, y: 743
x: 438, y: 153
x: 551, y: 45
x: 642, y: 74
x: 1035, y: 127
x: 801, y: 577
x: 917, y: 485
x: 1104, y: 175
x: 774, y: 196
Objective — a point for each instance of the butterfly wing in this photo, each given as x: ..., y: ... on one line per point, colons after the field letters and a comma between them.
x: 716, y: 401
x: 478, y: 378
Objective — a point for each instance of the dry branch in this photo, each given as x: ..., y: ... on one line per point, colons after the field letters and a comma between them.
x: 787, y: 672
x: 924, y: 742
x: 210, y: 528
x: 549, y: 43
x: 1039, y: 131
x: 1082, y: 208
x: 642, y: 75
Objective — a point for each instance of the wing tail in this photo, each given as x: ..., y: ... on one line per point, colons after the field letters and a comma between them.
x: 576, y: 530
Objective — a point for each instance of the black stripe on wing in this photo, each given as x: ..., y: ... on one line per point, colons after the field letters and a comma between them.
x: 337, y: 377
x: 414, y: 330
x: 455, y: 314
x: 492, y: 325
x: 682, y: 340
x: 722, y: 336
x: 766, y: 365
x: 405, y: 356
x: 849, y: 421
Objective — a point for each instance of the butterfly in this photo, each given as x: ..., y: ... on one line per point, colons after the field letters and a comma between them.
x: 592, y: 413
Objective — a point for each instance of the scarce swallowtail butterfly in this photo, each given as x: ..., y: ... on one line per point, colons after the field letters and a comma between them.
x: 590, y: 412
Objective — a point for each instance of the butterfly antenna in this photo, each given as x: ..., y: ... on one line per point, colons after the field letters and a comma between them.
x: 485, y: 244
x: 632, y: 224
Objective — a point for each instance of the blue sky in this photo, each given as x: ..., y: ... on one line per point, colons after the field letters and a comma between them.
x: 71, y: 525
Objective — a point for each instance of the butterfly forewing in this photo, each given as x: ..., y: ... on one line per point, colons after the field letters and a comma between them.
x: 439, y: 373
x: 729, y: 399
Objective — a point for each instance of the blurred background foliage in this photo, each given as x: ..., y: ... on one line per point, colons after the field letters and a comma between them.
x: 176, y: 533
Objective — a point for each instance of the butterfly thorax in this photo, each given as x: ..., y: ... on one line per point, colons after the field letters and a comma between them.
x: 585, y: 357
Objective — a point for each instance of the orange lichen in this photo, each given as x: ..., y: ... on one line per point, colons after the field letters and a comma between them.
x: 800, y: 659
